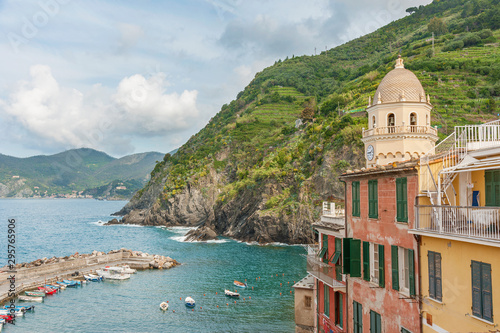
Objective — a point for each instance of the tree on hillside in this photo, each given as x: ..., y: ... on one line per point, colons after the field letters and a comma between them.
x: 437, y: 26
x: 411, y: 10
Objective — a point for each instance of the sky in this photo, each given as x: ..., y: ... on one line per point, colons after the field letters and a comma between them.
x: 134, y: 76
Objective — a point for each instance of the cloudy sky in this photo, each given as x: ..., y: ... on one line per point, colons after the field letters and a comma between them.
x: 141, y: 75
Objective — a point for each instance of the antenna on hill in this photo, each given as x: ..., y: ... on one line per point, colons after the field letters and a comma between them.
x: 314, y: 51
x: 326, y: 49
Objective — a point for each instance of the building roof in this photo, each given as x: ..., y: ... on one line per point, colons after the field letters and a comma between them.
x: 330, y: 225
x: 399, y: 85
x: 305, y: 283
x: 383, y: 169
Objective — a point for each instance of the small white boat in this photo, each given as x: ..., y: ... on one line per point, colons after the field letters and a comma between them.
x: 93, y: 278
x: 164, y: 306
x: 231, y: 293
x: 19, y: 312
x: 30, y: 299
x: 113, y: 273
x: 127, y: 270
x: 190, y: 303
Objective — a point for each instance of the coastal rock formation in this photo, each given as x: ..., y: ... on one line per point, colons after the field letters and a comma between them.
x: 201, y: 234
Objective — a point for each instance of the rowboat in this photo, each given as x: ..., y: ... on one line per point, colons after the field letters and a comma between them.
x: 7, y: 318
x: 127, y: 270
x: 70, y: 283
x: 51, y: 286
x: 240, y: 284
x: 93, y: 278
x: 35, y: 293
x: 18, y: 313
x: 190, y: 303
x: 22, y: 308
x: 231, y: 293
x: 164, y: 306
x: 47, y: 291
x: 30, y: 299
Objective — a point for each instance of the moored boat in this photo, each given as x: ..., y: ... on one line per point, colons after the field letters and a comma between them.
x: 7, y: 318
x: 18, y: 313
x: 231, y: 293
x: 30, y: 298
x: 127, y: 270
x: 70, y: 283
x: 93, y: 278
x: 47, y: 291
x: 190, y: 303
x: 113, y: 273
x: 35, y: 293
x: 164, y: 306
x: 240, y: 284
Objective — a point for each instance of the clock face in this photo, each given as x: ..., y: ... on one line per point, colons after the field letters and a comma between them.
x: 370, y: 152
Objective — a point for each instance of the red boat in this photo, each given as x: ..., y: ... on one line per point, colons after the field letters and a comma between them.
x: 47, y: 291
x: 7, y: 318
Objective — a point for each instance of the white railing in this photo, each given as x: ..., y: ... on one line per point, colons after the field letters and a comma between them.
x: 400, y: 129
x: 479, y: 136
x: 482, y: 223
x: 329, y: 209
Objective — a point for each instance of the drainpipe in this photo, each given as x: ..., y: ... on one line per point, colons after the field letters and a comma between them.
x: 346, y: 324
x: 419, y: 256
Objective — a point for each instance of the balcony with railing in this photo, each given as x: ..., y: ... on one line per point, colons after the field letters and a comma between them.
x: 324, y: 272
x: 332, y: 220
x: 468, y: 223
x: 404, y: 129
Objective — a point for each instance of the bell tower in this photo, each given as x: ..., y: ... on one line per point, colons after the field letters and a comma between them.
x: 399, y: 119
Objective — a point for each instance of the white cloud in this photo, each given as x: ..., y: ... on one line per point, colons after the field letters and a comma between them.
x: 100, y: 118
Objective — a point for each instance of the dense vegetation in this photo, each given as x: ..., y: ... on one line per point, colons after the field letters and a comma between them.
x: 258, y: 138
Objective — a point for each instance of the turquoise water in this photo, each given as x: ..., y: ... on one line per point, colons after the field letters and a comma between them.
x: 61, y: 227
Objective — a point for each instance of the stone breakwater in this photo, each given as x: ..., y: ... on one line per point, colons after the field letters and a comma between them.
x: 36, y: 273
x: 155, y: 261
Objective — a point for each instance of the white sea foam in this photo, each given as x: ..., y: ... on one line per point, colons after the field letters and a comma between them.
x: 99, y: 223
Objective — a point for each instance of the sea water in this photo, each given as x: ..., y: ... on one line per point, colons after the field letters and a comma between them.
x: 60, y: 227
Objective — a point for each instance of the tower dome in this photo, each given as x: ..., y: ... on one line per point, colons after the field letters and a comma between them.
x: 399, y: 85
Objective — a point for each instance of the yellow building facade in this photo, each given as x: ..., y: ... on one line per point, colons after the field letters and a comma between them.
x: 458, y: 229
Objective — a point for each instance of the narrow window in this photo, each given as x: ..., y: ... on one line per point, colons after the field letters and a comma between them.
x: 435, y: 286
x: 357, y: 317
x: 413, y: 122
x: 492, y: 187
x: 482, y: 302
x: 406, y: 272
x: 375, y: 322
x: 401, y: 200
x: 391, y: 122
x: 339, y: 309
x: 325, y: 247
x: 326, y: 310
x: 355, y: 199
x: 374, y: 124
x: 355, y: 265
x: 373, y: 199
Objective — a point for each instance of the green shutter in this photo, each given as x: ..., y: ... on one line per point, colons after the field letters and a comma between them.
x: 357, y: 317
x: 381, y: 266
x: 373, y: 199
x: 432, y: 274
x: 395, y: 267
x: 476, y: 289
x: 338, y: 251
x: 340, y: 322
x: 411, y: 267
x: 326, y: 299
x: 355, y: 258
x: 401, y: 200
x: 489, y: 185
x: 322, y: 252
x: 375, y: 322
x: 486, y: 292
x: 325, y: 246
x: 366, y: 261
x: 355, y: 199
x: 437, y: 267
x: 347, y: 255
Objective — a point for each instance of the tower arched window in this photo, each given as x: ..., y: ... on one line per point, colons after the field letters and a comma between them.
x: 374, y: 124
x: 413, y: 122
x: 391, y: 122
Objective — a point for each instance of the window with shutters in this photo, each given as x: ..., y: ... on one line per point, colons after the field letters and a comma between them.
x: 336, y: 259
x: 326, y: 300
x: 373, y: 199
x: 324, y: 249
x: 492, y: 187
x: 339, y: 309
x: 375, y: 267
x: 308, y: 302
x: 375, y: 322
x: 401, y: 200
x: 403, y: 270
x: 355, y: 199
x: 357, y: 317
x: 373, y: 263
x: 482, y: 302
x: 355, y: 252
x: 435, y: 285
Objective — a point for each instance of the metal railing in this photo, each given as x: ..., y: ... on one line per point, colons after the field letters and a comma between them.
x: 400, y: 129
x: 321, y: 270
x: 482, y: 223
x: 329, y: 209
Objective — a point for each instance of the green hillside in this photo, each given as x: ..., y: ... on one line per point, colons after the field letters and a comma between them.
x: 72, y: 170
x: 254, y: 155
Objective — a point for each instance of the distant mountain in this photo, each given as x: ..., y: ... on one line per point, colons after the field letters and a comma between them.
x: 74, y: 171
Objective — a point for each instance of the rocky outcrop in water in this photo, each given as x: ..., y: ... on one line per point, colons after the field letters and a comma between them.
x: 201, y: 234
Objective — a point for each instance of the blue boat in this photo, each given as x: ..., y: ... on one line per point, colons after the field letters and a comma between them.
x: 190, y: 303
x: 70, y: 283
